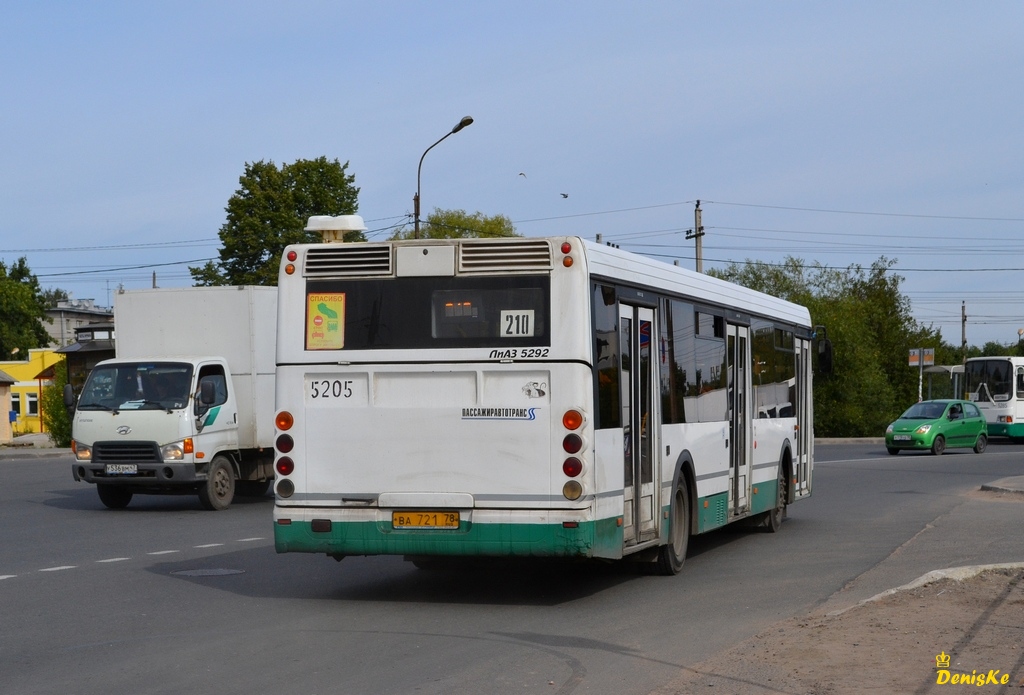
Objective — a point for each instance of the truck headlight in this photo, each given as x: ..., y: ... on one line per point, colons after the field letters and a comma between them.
x: 83, y: 452
x: 175, y: 451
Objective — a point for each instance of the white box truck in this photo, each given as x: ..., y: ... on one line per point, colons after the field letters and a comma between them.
x: 187, y: 406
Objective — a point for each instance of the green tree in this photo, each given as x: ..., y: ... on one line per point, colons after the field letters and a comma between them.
x: 52, y: 411
x: 22, y: 310
x: 459, y: 224
x: 51, y: 296
x: 872, y: 330
x: 269, y: 211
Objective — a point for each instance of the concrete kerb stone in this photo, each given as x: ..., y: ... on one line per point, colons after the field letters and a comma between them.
x: 1013, y: 484
x: 957, y: 574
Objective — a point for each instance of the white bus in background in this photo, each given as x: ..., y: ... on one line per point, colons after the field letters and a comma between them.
x: 996, y: 384
x: 529, y: 397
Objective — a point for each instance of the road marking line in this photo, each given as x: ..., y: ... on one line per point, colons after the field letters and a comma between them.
x: 246, y: 540
x: 163, y: 552
x: 208, y: 545
x: 8, y: 576
x: 115, y: 559
x: 58, y: 569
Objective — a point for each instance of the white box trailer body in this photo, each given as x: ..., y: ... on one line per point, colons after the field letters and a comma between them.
x: 188, y: 403
x: 238, y: 323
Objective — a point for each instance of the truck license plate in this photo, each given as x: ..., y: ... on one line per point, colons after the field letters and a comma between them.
x: 122, y: 469
x: 425, y: 519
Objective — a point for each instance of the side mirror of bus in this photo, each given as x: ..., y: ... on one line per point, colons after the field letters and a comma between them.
x: 825, y: 356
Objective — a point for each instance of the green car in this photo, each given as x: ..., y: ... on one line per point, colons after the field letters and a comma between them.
x: 936, y: 426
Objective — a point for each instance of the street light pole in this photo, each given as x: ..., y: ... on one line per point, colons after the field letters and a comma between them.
x: 466, y: 120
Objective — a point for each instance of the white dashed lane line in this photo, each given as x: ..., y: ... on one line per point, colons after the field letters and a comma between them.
x: 60, y: 568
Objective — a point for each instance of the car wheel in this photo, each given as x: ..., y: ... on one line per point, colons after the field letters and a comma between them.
x: 892, y: 450
x: 981, y: 444
x: 939, y: 445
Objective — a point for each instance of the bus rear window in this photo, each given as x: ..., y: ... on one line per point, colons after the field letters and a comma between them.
x: 438, y: 312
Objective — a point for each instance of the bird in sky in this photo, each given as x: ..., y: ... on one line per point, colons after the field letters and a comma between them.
x: 565, y: 195
x: 522, y: 174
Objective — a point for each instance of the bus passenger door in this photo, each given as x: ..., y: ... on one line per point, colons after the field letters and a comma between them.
x: 740, y: 425
x: 803, y: 437
x: 636, y: 338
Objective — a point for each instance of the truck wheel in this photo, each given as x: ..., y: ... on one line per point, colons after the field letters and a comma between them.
x: 252, y: 488
x: 217, y: 491
x: 114, y: 496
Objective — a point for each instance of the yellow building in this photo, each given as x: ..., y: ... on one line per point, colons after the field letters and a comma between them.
x: 27, y: 389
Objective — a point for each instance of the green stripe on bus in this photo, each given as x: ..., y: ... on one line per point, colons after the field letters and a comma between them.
x: 590, y: 539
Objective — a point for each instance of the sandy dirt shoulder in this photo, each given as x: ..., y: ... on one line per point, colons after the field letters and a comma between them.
x: 887, y: 644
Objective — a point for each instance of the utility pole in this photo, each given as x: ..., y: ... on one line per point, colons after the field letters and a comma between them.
x: 963, y: 340
x: 696, y: 233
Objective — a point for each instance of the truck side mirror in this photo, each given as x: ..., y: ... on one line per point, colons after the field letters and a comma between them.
x: 205, y: 398
x: 207, y: 393
x: 69, y: 397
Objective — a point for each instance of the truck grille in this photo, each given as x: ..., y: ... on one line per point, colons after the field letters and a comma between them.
x: 125, y: 452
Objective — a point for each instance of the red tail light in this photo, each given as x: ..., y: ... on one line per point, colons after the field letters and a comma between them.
x: 285, y: 465
x: 572, y: 467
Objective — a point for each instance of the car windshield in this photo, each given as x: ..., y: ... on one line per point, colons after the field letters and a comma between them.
x: 924, y: 411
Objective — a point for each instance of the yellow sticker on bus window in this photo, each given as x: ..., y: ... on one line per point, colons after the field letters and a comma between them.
x: 325, y: 321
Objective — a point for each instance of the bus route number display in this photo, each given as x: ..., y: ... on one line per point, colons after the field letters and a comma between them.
x: 517, y: 323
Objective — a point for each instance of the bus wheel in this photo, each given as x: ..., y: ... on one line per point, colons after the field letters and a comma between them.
x: 939, y: 445
x: 773, y: 518
x: 217, y: 491
x: 672, y: 556
x: 979, y: 446
x: 114, y: 496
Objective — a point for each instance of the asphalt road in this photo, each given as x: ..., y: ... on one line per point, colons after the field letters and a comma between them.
x: 164, y: 597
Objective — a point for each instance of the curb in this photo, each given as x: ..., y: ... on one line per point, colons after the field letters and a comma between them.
x: 958, y: 574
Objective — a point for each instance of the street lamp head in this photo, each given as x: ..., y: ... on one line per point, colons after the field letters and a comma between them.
x: 466, y: 120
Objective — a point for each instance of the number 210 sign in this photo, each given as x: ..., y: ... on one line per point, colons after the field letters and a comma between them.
x: 517, y: 323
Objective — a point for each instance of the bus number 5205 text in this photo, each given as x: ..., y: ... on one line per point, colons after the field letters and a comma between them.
x: 330, y: 388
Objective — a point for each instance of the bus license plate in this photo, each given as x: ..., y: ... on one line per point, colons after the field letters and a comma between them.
x: 425, y: 519
x: 122, y: 469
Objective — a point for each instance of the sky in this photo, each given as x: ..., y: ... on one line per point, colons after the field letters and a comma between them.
x: 837, y: 133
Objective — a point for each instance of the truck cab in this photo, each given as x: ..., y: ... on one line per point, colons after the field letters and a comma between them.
x: 163, y: 426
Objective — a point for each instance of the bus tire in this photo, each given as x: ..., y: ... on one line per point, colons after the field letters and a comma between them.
x: 773, y: 518
x: 939, y: 445
x: 672, y: 556
x: 218, y: 490
x: 981, y: 444
x: 114, y: 496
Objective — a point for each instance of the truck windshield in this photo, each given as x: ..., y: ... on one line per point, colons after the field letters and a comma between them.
x: 137, y: 386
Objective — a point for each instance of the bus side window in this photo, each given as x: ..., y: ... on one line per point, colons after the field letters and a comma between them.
x: 1020, y: 383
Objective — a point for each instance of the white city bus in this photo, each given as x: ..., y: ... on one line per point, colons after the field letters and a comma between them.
x: 530, y: 397
x: 996, y: 384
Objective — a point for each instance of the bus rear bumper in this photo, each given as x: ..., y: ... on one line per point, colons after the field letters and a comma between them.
x: 499, y: 532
